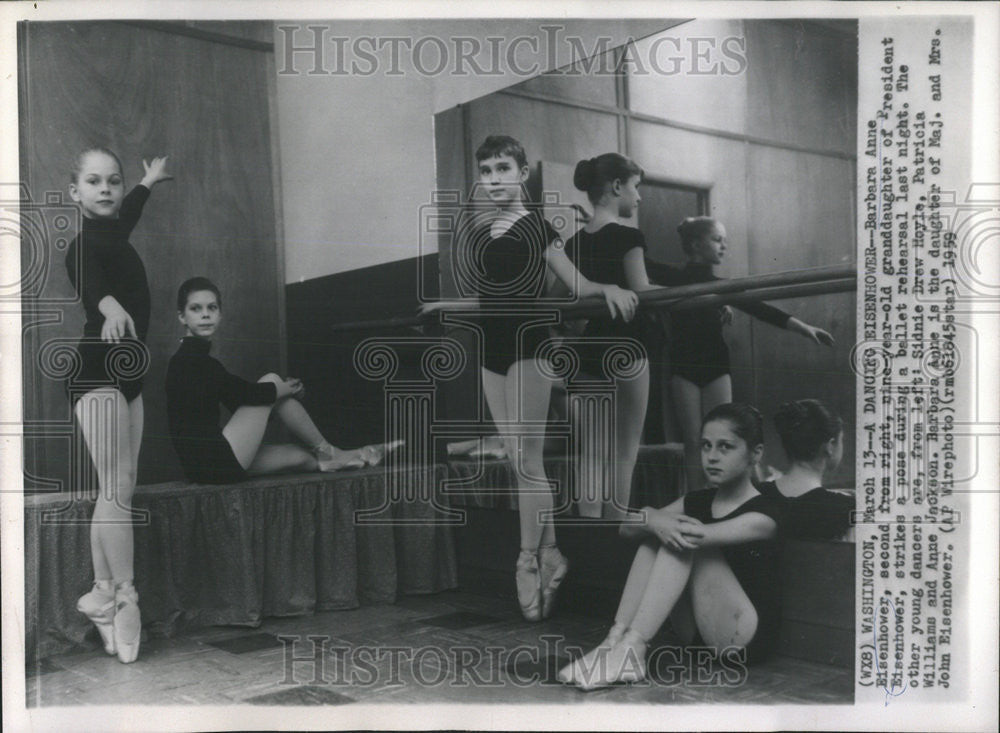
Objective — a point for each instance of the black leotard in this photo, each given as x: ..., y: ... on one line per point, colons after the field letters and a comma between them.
x: 196, y: 384
x: 101, y: 262
x: 755, y: 565
x: 697, y: 351
x: 818, y: 514
x: 600, y: 257
x: 512, y: 273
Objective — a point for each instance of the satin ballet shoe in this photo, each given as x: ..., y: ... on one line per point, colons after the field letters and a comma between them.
x: 552, y: 566
x: 376, y: 453
x: 529, y: 589
x: 624, y: 663
x: 127, y: 623
x: 580, y: 667
x: 99, y: 606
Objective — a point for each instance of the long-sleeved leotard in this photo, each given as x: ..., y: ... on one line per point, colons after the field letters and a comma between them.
x: 755, y: 564
x: 101, y: 262
x: 698, y: 351
x: 600, y: 257
x: 196, y: 384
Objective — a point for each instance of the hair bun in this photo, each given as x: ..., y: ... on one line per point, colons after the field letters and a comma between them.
x: 583, y: 175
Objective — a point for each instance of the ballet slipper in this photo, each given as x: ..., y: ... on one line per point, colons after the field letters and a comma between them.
x: 623, y: 663
x: 127, y: 623
x: 529, y: 589
x: 332, y: 459
x: 376, y: 453
x: 582, y: 666
x: 553, y: 567
x: 99, y: 606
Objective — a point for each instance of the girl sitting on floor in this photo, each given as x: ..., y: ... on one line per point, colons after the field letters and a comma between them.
x: 197, y: 383
x: 708, y: 561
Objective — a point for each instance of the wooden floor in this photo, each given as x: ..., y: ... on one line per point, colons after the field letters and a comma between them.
x: 449, y: 647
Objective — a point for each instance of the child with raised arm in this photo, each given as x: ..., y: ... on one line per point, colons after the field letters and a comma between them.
x: 508, y: 247
x: 106, y: 390
x: 708, y: 561
x: 699, y: 357
x: 196, y: 384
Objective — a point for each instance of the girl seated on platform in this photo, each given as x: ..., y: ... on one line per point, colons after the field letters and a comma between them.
x: 699, y: 357
x: 813, y: 439
x: 197, y: 383
x: 708, y: 561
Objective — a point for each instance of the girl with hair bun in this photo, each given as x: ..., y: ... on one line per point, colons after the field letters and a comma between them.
x: 813, y: 439
x: 699, y: 357
x: 513, y: 248
x: 607, y: 251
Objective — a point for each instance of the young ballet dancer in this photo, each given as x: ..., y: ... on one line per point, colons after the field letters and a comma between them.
x: 607, y: 251
x: 512, y: 246
x: 708, y: 560
x: 813, y: 439
x: 110, y: 279
x: 196, y: 384
x: 699, y: 358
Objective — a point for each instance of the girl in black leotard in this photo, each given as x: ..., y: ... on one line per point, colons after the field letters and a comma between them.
x: 106, y: 391
x: 699, y: 357
x: 196, y: 384
x: 503, y: 255
x: 813, y: 439
x: 606, y: 251
x: 708, y: 560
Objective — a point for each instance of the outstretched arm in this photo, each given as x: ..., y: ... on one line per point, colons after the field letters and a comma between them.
x: 134, y: 201
x: 748, y: 527
x: 621, y: 303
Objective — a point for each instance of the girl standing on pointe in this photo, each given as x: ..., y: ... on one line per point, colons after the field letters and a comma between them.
x: 511, y: 246
x: 813, y: 439
x: 110, y: 279
x: 708, y: 561
x: 607, y: 251
x: 197, y: 383
x: 699, y: 358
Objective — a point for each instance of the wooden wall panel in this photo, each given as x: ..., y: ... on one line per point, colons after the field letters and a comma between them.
x: 145, y: 92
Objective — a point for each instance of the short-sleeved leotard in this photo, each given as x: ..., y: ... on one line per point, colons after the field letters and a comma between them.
x: 600, y: 257
x: 101, y: 262
x: 755, y: 564
x: 196, y: 384
x: 698, y: 352
x: 818, y: 514
x: 512, y: 273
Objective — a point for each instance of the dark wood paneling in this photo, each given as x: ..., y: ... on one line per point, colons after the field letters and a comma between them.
x: 143, y: 93
x: 348, y: 408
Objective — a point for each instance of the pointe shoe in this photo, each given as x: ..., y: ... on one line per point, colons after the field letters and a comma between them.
x: 553, y: 567
x: 375, y: 454
x: 99, y: 606
x: 624, y: 663
x: 529, y: 589
x: 127, y: 623
x: 583, y: 666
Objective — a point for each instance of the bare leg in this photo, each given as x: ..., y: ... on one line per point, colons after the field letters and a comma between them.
x: 282, y: 458
x: 294, y: 415
x: 724, y: 614
x: 631, y: 398
x: 687, y: 403
x: 106, y: 421
x: 245, y: 429
x: 717, y: 392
